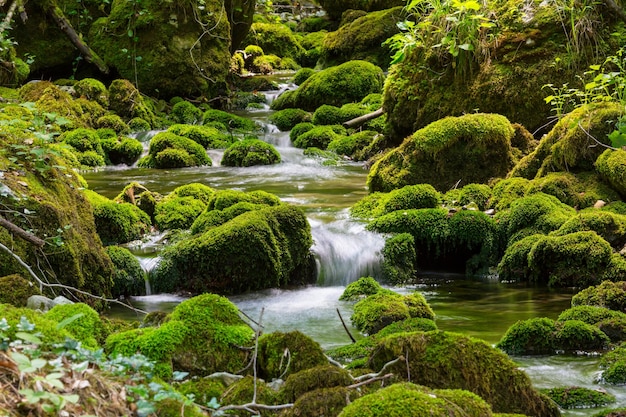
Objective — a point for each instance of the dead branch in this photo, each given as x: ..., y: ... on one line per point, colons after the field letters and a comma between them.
x: 369, y: 381
x: 250, y: 407
x: 7, y: 19
x: 66, y: 27
x: 382, y: 371
x: 358, y: 121
x: 62, y: 286
x: 16, y: 230
x: 345, y: 327
x: 589, y: 135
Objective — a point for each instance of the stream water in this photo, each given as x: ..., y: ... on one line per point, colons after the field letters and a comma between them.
x: 345, y: 251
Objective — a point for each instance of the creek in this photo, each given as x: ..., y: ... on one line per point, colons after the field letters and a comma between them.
x: 345, y: 251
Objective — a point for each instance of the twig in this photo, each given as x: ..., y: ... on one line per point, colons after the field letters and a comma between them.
x: 333, y: 362
x: 66, y: 287
x: 369, y: 381
x: 408, y: 369
x: 382, y: 371
x: 286, y: 353
x: 594, y: 139
x: 29, y: 237
x: 345, y: 327
x: 250, y: 406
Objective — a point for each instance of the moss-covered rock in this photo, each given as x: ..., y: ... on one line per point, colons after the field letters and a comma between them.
x: 399, y: 259
x: 277, y: 349
x: 250, y: 152
x: 614, y: 364
x: 113, y: 122
x: 184, y: 112
x: 319, y: 137
x: 178, y: 212
x: 607, y: 294
x: 471, y: 196
x: 121, y: 150
x: 611, y: 165
x: 409, y: 197
x: 258, y: 249
x: 85, y: 142
x: 127, y: 102
x: 166, y: 53
x: 590, y: 314
x: 472, y: 148
x: 570, y: 148
x: 610, y: 226
x: 213, y: 218
x: 506, y: 191
x: 446, y: 360
x: 362, y: 38
x: 576, y: 335
x: 128, y: 276
x: 15, y: 290
x: 361, y: 288
x: 223, y: 199
x: 92, y: 89
x: 578, y: 397
x: 168, y: 150
x: 324, y: 376
x: 83, y: 323
x: 203, y: 389
x: 276, y: 39
x: 346, y: 83
x: 203, y: 335
x: 244, y: 390
x: 286, y: 119
x: 336, y: 8
x: 353, y: 145
x: 529, y: 337
x: 321, y: 402
x: 50, y: 332
x: 379, y: 310
x: 117, y: 222
x: 231, y: 121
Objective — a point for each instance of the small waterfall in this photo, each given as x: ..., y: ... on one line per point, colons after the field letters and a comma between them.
x: 345, y: 251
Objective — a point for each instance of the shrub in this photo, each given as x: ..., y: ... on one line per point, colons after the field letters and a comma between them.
x: 250, y: 152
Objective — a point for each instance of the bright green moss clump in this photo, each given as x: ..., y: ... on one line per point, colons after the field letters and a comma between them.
x: 185, y: 112
x: 529, y: 337
x: 207, y: 136
x: 399, y: 259
x: 231, y: 121
x: 257, y: 249
x: 472, y: 148
x: 319, y: 137
x: 86, y: 325
x: 360, y: 288
x: 611, y: 165
x: 323, y: 376
x: 578, y: 397
x: 250, y: 152
x: 128, y: 277
x: 121, y: 150
x: 346, y: 83
x: 305, y: 354
x: 86, y: 144
x: 178, y: 212
x: 614, y: 364
x: 611, y: 295
x: 168, y: 150
x: 286, y: 119
x: 213, y: 218
x: 15, y: 290
x: 440, y: 359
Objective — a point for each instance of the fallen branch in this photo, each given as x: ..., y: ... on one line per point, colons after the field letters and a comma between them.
x: 29, y: 237
x: 345, y: 327
x: 66, y: 27
x: 358, y: 121
x: 382, y: 371
x: 369, y: 381
x: 62, y: 286
x: 589, y: 135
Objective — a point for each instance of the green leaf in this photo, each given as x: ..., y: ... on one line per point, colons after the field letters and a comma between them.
x: 20, y: 359
x: 618, y: 139
x: 71, y: 398
x: 595, y: 67
x: 61, y: 325
x: 28, y: 337
x: 130, y: 33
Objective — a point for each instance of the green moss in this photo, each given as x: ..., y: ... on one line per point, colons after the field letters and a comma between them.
x: 250, y: 152
x: 90, y: 159
x: 213, y: 218
x: 319, y: 137
x: 471, y: 149
x: 257, y: 249
x: 540, y: 211
x: 614, y: 363
x: 226, y: 198
x: 324, y: 376
x: 578, y: 397
x: 302, y: 75
x: 352, y: 144
x: 231, y: 121
x: 610, y: 226
x: 50, y: 333
x: 335, y: 9
x: 117, y: 222
x: 185, y: 112
x: 299, y: 129
x: 137, y: 124
x: 275, y: 38
x: 15, y: 290
x: 399, y: 259
x: 174, y: 407
x: 576, y: 335
x: 508, y: 190
x: 611, y: 166
x: 441, y: 360
x: 92, y: 89
x: 86, y: 325
x: 590, y: 314
x: 360, y: 288
x: 168, y: 150
x: 128, y: 277
x: 115, y: 122
x: 607, y: 294
x: 529, y: 337
x: 286, y: 119
x: 362, y: 38
x: 346, y: 83
x: 122, y: 150
x: 472, y: 195
x: 127, y: 102
x: 203, y: 389
x: 580, y: 191
x: 178, y: 212
x: 242, y: 392
x: 305, y: 353
x: 323, y: 401
x: 83, y: 140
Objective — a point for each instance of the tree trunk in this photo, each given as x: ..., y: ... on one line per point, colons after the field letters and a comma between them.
x: 83, y: 48
x: 362, y: 119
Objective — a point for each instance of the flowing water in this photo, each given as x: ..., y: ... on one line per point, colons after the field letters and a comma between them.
x: 345, y: 251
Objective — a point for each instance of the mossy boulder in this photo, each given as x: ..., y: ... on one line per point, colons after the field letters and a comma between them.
x: 250, y: 152
x: 559, y: 260
x: 286, y: 119
x: 614, y: 364
x: 440, y: 359
x: 468, y: 149
x: 166, y: 54
x: 276, y: 39
x: 361, y: 288
x: 568, y: 147
x: 353, y: 145
x: 258, y: 249
x: 578, y: 397
x: 345, y: 83
x: 529, y: 337
x: 15, y: 290
x: 223, y: 199
x: 470, y: 196
x: 277, y: 349
x: 184, y: 112
x: 83, y: 323
x: 242, y: 391
x: 408, y: 197
x: 117, y: 222
x: 607, y: 294
x: 576, y: 335
x: 590, y: 314
x: 113, y: 122
x: 178, y: 212
x: 322, y: 402
x: 231, y: 121
x: 319, y: 137
x: 50, y: 333
x: 505, y: 191
x: 214, y: 218
x: 399, y: 259
x: 121, y: 150
x: 336, y: 8
x: 379, y: 310
x: 168, y: 150
x: 39, y: 183
x: 128, y: 276
x: 610, y: 226
x: 207, y: 136
x: 92, y: 89
x: 403, y: 399
x: 126, y: 101
x: 323, y: 376
x: 611, y: 165
x: 362, y: 38
x: 85, y: 141
x: 203, y: 335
